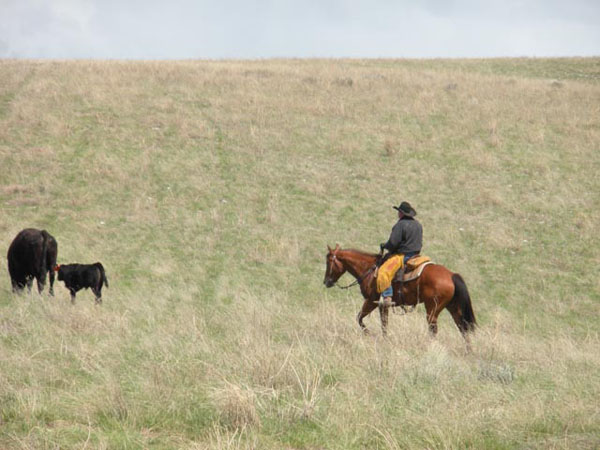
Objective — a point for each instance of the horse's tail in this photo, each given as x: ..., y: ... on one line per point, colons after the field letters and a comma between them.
x: 462, y: 297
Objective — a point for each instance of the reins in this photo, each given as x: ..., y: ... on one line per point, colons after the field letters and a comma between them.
x: 354, y: 283
x: 358, y: 280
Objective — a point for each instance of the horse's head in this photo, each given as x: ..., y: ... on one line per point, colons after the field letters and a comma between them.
x: 334, y: 268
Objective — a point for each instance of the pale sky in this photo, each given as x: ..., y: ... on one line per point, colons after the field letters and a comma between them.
x: 203, y: 29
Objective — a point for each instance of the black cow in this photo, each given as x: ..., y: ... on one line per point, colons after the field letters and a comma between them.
x: 80, y: 276
x: 32, y: 254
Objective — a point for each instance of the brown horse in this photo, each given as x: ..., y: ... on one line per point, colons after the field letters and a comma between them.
x: 437, y: 288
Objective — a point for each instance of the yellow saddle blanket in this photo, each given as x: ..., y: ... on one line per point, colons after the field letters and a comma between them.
x: 388, y: 269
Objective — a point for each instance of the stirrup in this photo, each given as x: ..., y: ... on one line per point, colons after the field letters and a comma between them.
x: 383, y: 302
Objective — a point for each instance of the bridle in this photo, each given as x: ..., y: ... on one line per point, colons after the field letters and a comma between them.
x: 358, y: 279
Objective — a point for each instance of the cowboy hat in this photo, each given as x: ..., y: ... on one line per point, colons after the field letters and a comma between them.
x: 406, y: 209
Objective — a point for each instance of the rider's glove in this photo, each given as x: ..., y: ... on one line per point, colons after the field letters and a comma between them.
x: 382, y: 246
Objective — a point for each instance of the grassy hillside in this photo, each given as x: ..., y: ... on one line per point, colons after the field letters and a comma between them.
x: 210, y: 190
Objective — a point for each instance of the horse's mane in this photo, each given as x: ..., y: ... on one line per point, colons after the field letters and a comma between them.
x: 360, y: 252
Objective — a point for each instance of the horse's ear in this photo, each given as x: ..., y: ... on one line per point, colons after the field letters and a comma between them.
x: 329, y: 248
x: 337, y: 246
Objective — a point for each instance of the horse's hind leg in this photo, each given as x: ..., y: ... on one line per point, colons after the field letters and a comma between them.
x: 459, y: 320
x: 367, y: 308
x: 433, y: 309
x: 461, y: 323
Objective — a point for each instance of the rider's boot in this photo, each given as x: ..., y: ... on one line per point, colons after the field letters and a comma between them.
x: 387, y: 301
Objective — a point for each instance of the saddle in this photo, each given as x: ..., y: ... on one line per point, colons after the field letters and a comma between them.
x: 412, y: 270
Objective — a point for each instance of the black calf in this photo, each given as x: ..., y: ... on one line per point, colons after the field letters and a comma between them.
x: 83, y: 276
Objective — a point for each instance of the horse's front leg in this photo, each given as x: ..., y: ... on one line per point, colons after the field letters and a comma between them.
x: 367, y: 307
x: 384, y: 311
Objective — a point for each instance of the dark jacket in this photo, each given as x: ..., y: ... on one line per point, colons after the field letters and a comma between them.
x: 406, y: 236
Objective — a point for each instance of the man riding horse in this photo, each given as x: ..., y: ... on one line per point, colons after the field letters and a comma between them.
x: 434, y: 285
x: 405, y: 241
